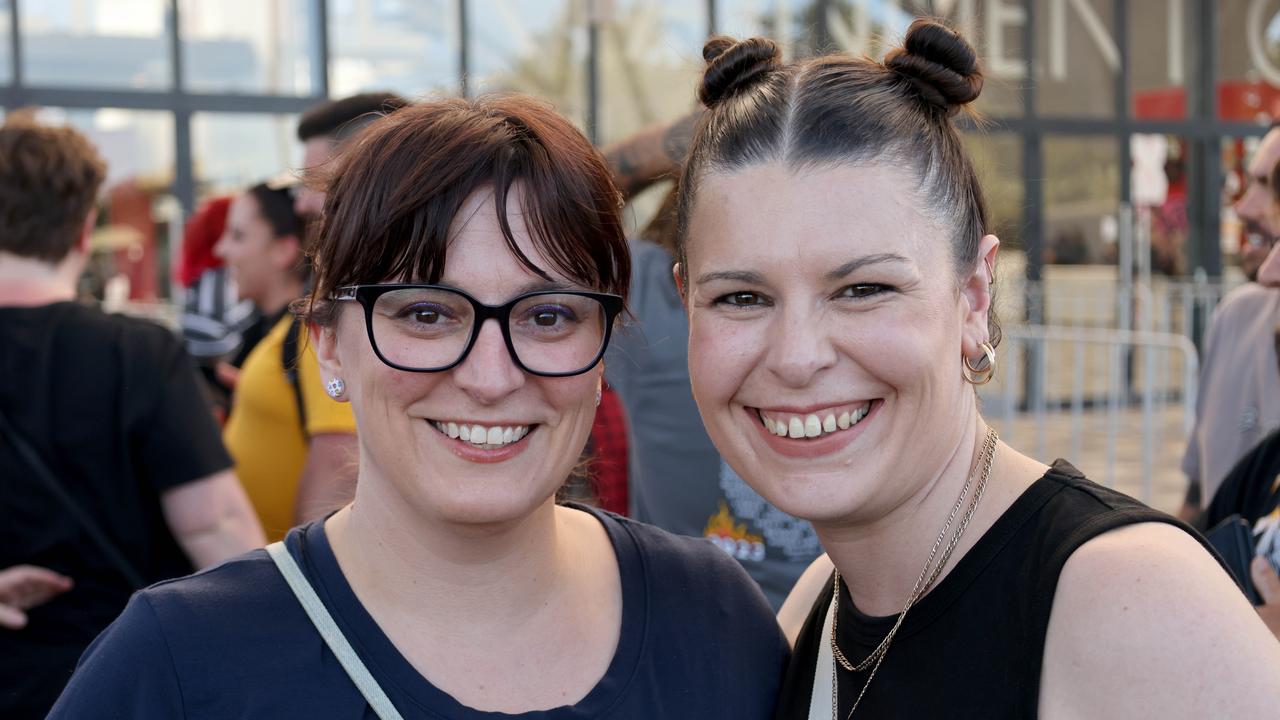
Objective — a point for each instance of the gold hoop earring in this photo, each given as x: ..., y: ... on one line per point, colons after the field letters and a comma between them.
x: 981, y: 372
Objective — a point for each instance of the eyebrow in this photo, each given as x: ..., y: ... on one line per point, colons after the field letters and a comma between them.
x: 861, y: 262
x: 742, y: 276
x: 540, y: 285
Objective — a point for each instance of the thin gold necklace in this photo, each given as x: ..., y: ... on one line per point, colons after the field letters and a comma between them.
x: 927, y: 578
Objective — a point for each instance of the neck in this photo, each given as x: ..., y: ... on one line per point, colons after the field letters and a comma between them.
x: 25, y: 282
x: 275, y: 298
x: 881, y: 559
x: 402, y: 563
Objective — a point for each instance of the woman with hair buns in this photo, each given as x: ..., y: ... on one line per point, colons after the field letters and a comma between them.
x: 836, y: 266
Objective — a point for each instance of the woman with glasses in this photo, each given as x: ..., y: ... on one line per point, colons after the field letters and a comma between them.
x: 470, y: 269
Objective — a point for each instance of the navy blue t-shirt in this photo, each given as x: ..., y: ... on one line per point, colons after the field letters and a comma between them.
x: 698, y: 640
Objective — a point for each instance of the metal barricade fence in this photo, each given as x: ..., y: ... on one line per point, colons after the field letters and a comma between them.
x: 1079, y: 391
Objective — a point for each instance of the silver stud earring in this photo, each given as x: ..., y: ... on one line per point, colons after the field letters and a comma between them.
x: 599, y: 394
x: 335, y: 388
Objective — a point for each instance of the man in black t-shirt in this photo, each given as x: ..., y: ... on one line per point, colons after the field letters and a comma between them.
x: 112, y: 473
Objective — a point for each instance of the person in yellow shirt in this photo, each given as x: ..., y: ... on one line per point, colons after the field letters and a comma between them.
x: 293, y: 446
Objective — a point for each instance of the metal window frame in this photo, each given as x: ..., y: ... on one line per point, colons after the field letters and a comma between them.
x: 1202, y: 128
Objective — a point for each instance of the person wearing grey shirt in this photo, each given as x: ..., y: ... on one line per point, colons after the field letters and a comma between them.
x: 677, y: 479
x: 1239, y: 400
x: 1239, y: 395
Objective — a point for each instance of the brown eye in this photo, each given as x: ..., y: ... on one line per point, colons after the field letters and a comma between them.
x: 742, y: 299
x: 863, y: 291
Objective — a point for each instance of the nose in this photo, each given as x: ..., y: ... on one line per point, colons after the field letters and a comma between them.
x: 799, y: 348
x: 489, y: 374
x: 1269, y: 273
x: 1247, y: 206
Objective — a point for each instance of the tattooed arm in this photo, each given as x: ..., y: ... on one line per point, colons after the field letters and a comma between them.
x: 651, y: 155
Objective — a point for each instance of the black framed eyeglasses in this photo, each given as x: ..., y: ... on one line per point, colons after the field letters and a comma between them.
x: 432, y: 328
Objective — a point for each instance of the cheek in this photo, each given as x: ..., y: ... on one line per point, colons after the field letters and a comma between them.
x: 721, y: 354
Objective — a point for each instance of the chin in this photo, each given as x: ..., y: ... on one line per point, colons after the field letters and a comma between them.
x: 813, y: 495
x: 499, y: 507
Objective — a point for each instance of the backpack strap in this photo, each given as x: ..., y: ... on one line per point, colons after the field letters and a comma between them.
x: 73, y: 508
x: 289, y: 361
x: 332, y: 635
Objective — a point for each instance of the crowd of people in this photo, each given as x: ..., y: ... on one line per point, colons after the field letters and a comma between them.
x: 732, y: 467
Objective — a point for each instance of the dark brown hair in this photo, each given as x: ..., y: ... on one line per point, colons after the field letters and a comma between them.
x: 275, y: 205
x: 838, y: 109
x: 393, y: 194
x: 342, y: 118
x: 49, y: 180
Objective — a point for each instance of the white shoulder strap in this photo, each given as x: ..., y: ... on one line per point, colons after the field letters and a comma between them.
x: 824, y: 672
x: 333, y: 637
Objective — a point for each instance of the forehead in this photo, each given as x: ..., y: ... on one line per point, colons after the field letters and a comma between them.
x: 478, y: 252
x: 316, y: 150
x: 243, y: 209
x: 811, y: 216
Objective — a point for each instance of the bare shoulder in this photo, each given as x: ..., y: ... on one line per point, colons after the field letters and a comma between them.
x: 795, y: 610
x: 1145, y: 623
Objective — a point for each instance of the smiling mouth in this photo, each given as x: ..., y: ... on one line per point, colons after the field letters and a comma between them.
x: 814, y: 425
x: 484, y: 437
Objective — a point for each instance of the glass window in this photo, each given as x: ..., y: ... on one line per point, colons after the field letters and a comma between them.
x: 1161, y: 56
x: 130, y: 260
x: 531, y: 46
x: 96, y: 43
x: 1248, y: 60
x: 649, y: 63
x: 1158, y: 187
x: 1082, y: 195
x: 232, y: 151
x: 749, y: 18
x: 248, y: 46
x: 997, y: 158
x: 6, y: 17
x: 1077, y: 58
x: 407, y: 47
x: 995, y: 28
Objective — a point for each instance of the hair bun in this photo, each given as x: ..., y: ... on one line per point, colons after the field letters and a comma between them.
x: 733, y: 66
x: 940, y: 63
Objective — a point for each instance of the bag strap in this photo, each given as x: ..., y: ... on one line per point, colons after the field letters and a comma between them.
x: 332, y: 635
x: 289, y: 361
x: 55, y: 488
x: 824, y: 671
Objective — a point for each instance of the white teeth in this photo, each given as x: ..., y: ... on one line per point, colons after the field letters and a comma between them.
x: 487, y: 437
x: 796, y: 428
x: 812, y: 426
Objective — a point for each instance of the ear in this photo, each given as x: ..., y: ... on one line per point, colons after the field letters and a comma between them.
x: 676, y: 272
x: 286, y: 252
x: 86, y: 231
x: 324, y: 338
x: 975, y: 293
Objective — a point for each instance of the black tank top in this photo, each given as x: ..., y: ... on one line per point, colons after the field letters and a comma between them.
x: 972, y: 647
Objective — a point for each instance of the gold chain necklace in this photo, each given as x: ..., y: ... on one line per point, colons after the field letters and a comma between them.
x: 927, y: 578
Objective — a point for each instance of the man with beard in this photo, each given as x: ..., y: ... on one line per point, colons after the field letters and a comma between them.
x: 1239, y: 400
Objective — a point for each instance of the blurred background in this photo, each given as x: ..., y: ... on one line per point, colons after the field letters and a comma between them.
x: 1115, y: 139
